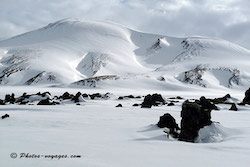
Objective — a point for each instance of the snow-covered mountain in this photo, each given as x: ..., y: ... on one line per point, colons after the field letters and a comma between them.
x: 99, y: 54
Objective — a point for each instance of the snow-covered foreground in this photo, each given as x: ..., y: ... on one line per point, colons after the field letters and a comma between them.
x: 108, y: 136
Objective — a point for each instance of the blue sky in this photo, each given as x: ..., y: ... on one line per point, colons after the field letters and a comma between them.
x: 226, y: 19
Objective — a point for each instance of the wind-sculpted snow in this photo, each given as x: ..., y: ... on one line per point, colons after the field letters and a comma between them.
x: 73, y: 50
x: 215, y: 133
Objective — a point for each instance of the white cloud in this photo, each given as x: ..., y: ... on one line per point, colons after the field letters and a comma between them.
x: 227, y: 19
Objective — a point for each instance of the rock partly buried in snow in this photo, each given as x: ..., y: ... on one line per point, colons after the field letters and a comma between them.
x: 221, y: 100
x: 2, y: 102
x: 152, y: 100
x: 234, y: 107
x: 171, y: 104
x: 10, y: 98
x: 246, y: 99
x: 78, y: 98
x: 119, y: 105
x: 95, y: 95
x: 177, y: 97
x: 128, y: 97
x: 167, y: 121
x: 135, y: 105
x: 47, y: 102
x: 66, y: 95
x: 195, y: 115
x: 5, y: 116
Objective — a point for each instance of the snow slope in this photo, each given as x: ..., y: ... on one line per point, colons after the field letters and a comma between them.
x: 100, y: 54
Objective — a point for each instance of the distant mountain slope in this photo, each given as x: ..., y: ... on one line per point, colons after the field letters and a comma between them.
x: 78, y: 52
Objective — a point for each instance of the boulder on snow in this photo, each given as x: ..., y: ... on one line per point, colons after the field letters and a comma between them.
x: 66, y: 96
x: 234, y: 107
x: 119, y: 105
x: 221, y: 100
x: 135, y: 105
x: 84, y: 95
x: 76, y: 97
x: 171, y: 104
x: 195, y: 115
x: 2, y: 102
x: 47, y: 102
x: 95, y: 95
x: 10, y: 98
x: 120, y: 98
x: 246, y: 99
x: 45, y: 94
x: 130, y: 96
x: 167, y: 121
x: 152, y: 100
x: 5, y: 116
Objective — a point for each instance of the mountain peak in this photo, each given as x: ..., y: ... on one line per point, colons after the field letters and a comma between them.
x: 72, y: 50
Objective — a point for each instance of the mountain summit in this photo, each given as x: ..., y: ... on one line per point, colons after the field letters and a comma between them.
x: 98, y: 54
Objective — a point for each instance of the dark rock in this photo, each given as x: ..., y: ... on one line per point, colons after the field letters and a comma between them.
x: 207, y: 104
x: 130, y: 96
x: 95, y: 95
x: 25, y: 95
x: 167, y: 121
x: 45, y: 93
x: 135, y: 105
x: 147, y: 102
x: 195, y: 115
x: 158, y: 98
x: 76, y: 97
x: 221, y: 100
x: 107, y: 95
x: 5, y: 116
x: 246, y: 99
x: 161, y: 79
x: 241, y: 104
x: 234, y: 107
x: 171, y: 104
x: 178, y: 97
x: 47, y: 102
x: 84, y: 95
x: 120, y: 98
x: 152, y: 100
x: 174, y: 101
x: 56, y: 97
x: 127, y: 97
x: 20, y: 100
x: 10, y: 98
x: 66, y: 96
x: 2, y: 102
x: 138, y: 97
x: 119, y: 105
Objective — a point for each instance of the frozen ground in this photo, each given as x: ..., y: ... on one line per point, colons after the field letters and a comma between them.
x: 107, y: 136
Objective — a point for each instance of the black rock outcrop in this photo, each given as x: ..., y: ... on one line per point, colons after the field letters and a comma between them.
x: 152, y: 100
x: 195, y: 115
x: 246, y: 99
x: 234, y: 107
